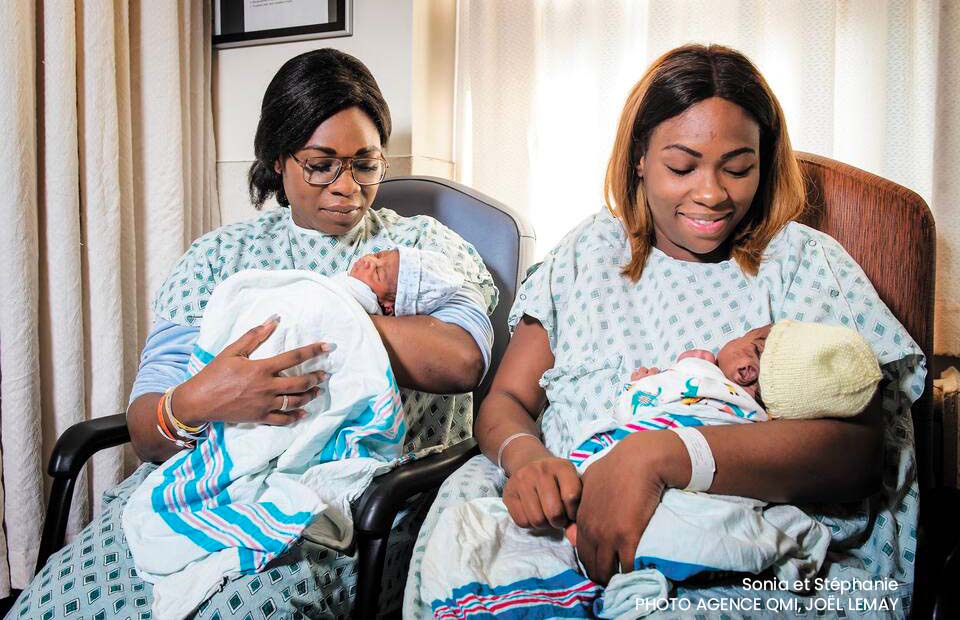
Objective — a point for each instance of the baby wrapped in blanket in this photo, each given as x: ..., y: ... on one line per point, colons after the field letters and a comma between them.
x: 249, y: 491
x: 799, y: 370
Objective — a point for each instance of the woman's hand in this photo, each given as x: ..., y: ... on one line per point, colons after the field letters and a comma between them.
x: 621, y: 491
x: 543, y: 493
x: 234, y: 388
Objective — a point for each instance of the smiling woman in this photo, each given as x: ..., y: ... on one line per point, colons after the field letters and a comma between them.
x: 700, y: 184
x: 696, y: 247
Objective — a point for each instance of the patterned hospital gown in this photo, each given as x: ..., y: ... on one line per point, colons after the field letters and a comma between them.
x: 94, y: 577
x: 600, y: 327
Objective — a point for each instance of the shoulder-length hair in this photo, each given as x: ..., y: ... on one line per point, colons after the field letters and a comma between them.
x: 677, y: 80
x: 307, y: 90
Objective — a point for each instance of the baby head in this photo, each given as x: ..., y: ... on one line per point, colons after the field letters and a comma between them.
x: 381, y: 272
x: 803, y: 370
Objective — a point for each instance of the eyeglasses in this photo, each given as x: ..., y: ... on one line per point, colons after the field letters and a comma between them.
x: 322, y: 171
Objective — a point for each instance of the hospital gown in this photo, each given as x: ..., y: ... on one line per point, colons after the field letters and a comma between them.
x: 94, y: 576
x: 600, y: 326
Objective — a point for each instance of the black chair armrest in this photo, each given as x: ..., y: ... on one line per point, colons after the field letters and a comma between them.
x: 947, y: 601
x: 388, y: 494
x: 378, y: 507
x: 84, y: 439
x: 73, y: 449
x: 943, y: 508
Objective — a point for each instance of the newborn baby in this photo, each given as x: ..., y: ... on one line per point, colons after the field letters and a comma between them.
x: 801, y: 370
x: 253, y: 490
x: 833, y: 362
x: 403, y: 281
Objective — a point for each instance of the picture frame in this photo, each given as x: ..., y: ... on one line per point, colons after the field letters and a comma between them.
x: 239, y: 23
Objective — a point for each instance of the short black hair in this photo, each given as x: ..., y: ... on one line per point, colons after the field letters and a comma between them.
x: 307, y: 90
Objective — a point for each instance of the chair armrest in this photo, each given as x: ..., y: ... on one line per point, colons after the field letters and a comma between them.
x: 945, y: 507
x: 387, y: 494
x: 73, y: 449
x: 947, y: 603
x: 84, y: 439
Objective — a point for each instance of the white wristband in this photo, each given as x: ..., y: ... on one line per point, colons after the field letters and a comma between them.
x: 702, y: 465
x: 507, y: 441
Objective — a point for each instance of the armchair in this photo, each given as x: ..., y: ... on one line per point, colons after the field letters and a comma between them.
x: 503, y: 239
x: 890, y: 232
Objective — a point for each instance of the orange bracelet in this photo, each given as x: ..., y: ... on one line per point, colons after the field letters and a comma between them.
x: 165, y: 431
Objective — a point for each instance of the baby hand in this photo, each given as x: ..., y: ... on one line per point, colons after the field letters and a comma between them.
x: 570, y: 533
x: 643, y: 371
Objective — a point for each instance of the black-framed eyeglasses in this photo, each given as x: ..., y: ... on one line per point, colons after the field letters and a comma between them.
x: 320, y: 171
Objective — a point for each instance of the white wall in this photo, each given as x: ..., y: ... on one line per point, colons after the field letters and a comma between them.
x: 408, y: 45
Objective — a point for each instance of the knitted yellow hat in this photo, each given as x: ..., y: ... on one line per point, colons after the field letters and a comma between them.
x: 811, y: 370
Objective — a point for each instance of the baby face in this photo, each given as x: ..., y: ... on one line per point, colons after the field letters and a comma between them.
x: 379, y: 271
x: 739, y: 359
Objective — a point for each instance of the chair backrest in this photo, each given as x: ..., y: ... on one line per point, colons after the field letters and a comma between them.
x: 889, y: 230
x: 502, y: 236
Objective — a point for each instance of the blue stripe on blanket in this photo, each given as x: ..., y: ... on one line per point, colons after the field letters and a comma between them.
x: 204, y: 357
x: 193, y: 500
x: 605, y: 439
x: 672, y: 569
x: 567, y: 595
x: 198, y: 359
x: 381, y: 425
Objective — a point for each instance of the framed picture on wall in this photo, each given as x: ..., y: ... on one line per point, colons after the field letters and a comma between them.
x: 237, y: 23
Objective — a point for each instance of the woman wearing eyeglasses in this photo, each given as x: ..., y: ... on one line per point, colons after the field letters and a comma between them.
x: 319, y: 147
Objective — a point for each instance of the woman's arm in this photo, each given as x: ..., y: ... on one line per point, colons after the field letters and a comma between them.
x: 543, y: 490
x: 790, y: 461
x: 798, y: 461
x: 447, y: 352
x: 516, y: 398
x: 430, y: 355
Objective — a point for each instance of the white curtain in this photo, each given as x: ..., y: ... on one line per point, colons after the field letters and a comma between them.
x: 540, y: 85
x: 107, y: 174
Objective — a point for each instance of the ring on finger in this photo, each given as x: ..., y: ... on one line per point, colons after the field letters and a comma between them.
x: 286, y: 401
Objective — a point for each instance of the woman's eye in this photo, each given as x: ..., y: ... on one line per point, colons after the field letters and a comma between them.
x: 680, y: 171
x: 319, y: 167
x: 740, y: 173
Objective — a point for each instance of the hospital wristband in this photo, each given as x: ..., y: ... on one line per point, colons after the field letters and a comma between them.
x: 506, y: 442
x: 702, y: 465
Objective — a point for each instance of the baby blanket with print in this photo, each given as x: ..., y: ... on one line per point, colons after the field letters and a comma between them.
x: 480, y: 564
x: 249, y: 491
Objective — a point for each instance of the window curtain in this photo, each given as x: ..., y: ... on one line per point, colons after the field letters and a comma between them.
x: 107, y: 175
x: 540, y: 86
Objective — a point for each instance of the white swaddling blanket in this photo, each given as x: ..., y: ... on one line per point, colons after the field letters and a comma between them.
x: 478, y: 562
x: 249, y: 491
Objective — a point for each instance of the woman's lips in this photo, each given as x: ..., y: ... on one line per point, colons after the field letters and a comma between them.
x: 341, y: 211
x: 705, y: 225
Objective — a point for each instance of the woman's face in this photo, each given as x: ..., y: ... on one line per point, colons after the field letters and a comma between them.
x: 336, y: 208
x: 700, y: 173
